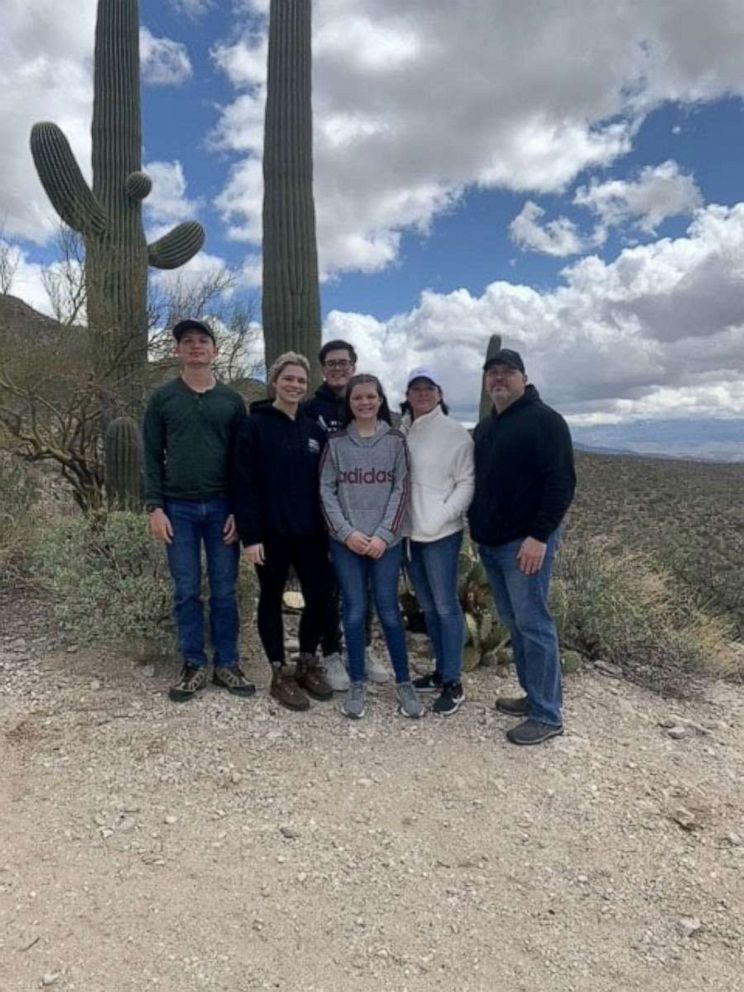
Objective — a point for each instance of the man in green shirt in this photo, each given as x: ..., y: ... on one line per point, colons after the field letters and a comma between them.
x: 190, y: 427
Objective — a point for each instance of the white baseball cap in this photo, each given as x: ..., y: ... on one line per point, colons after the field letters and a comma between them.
x: 423, y: 372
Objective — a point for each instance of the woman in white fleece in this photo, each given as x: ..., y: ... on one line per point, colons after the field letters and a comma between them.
x: 442, y: 483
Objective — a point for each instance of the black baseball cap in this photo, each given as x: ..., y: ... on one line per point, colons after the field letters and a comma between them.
x: 505, y: 356
x: 190, y: 324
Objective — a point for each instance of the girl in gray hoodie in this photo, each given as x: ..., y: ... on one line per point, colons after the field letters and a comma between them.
x: 364, y: 490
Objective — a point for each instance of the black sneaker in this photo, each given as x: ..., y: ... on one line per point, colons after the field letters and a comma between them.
x: 449, y: 700
x: 513, y: 705
x: 428, y: 683
x: 190, y: 681
x: 533, y: 732
x: 234, y: 680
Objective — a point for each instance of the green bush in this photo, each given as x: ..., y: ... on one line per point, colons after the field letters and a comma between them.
x: 17, y: 494
x: 621, y: 607
x: 108, y: 582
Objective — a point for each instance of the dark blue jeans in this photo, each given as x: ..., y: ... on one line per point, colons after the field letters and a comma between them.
x: 197, y: 522
x: 433, y: 571
x: 522, y: 604
x: 355, y: 574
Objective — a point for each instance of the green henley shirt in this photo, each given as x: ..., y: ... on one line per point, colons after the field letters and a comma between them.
x: 189, y: 438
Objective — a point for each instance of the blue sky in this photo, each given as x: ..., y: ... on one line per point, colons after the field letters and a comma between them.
x: 570, y: 175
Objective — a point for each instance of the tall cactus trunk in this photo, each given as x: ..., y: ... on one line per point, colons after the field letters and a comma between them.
x: 486, y: 404
x: 116, y: 262
x: 291, y: 300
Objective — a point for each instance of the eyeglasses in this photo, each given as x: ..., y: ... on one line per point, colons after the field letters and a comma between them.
x: 338, y: 363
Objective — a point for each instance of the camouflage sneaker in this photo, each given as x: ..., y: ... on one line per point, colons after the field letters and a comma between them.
x: 408, y: 702
x: 234, y: 680
x: 190, y: 681
x: 375, y: 668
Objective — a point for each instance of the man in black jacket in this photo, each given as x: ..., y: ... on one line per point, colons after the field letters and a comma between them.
x: 524, y: 483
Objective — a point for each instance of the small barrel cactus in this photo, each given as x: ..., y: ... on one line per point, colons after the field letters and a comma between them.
x: 122, y: 445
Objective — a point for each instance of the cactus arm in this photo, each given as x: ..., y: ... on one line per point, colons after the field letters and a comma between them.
x: 138, y: 185
x: 486, y: 404
x: 63, y: 181
x: 177, y: 246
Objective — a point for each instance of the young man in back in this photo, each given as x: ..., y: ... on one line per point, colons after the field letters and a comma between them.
x: 190, y: 428
x: 338, y: 361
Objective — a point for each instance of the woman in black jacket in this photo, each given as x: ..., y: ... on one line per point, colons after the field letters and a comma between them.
x: 279, y: 520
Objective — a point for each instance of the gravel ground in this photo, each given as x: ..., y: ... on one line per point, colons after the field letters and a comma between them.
x: 230, y: 845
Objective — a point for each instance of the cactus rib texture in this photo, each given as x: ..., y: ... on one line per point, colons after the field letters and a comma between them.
x: 63, y: 181
x: 122, y: 444
x: 177, y: 246
x: 291, y: 299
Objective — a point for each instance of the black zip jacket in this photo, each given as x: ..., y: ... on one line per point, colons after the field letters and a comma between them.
x: 275, y: 484
x: 524, y: 473
x: 326, y: 409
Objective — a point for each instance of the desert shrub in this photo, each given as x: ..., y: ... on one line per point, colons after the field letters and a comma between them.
x: 109, y: 583
x: 621, y: 607
x: 17, y: 495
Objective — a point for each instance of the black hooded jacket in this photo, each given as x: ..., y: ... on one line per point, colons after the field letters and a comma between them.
x: 275, y: 482
x: 327, y: 409
x: 524, y: 473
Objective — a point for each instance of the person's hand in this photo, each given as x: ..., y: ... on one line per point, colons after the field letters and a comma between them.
x: 230, y: 531
x: 531, y: 555
x: 376, y: 547
x: 254, y: 554
x: 357, y: 542
x: 160, y: 527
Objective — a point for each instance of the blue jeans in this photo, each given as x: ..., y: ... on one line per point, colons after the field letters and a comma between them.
x: 522, y: 604
x: 355, y: 574
x: 195, y: 522
x: 433, y: 572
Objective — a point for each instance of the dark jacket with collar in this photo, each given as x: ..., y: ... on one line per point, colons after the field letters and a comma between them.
x: 327, y: 409
x: 275, y: 475
x: 524, y: 473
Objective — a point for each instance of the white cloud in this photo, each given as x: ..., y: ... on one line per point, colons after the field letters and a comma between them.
x: 658, y: 332
x: 660, y: 192
x: 163, y: 62
x: 193, y: 9
x: 559, y: 238
x: 168, y: 203
x: 416, y: 101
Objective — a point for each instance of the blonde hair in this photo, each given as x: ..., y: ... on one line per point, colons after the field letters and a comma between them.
x: 288, y: 358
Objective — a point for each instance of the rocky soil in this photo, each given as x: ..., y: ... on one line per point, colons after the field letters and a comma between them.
x: 231, y: 845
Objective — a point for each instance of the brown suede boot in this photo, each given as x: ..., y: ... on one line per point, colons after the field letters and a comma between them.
x: 310, y: 674
x: 286, y: 692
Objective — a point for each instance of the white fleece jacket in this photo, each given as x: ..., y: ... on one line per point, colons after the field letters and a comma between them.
x: 442, y: 475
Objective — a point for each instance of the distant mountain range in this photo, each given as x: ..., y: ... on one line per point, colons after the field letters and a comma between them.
x: 713, y: 440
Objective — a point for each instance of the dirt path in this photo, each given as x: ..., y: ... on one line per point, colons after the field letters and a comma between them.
x: 230, y: 845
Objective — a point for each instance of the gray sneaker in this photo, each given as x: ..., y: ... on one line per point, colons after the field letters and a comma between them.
x: 408, y: 702
x: 353, y: 704
x: 375, y: 667
x: 335, y: 672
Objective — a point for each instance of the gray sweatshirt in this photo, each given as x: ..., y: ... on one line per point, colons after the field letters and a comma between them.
x: 364, y: 483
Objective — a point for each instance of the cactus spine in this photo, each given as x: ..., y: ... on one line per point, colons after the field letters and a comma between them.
x: 123, y: 449
x: 110, y: 215
x: 291, y: 300
x: 486, y: 405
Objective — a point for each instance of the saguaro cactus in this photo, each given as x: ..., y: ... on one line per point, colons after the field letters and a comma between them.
x: 494, y: 345
x: 123, y: 448
x: 291, y: 301
x: 110, y: 215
